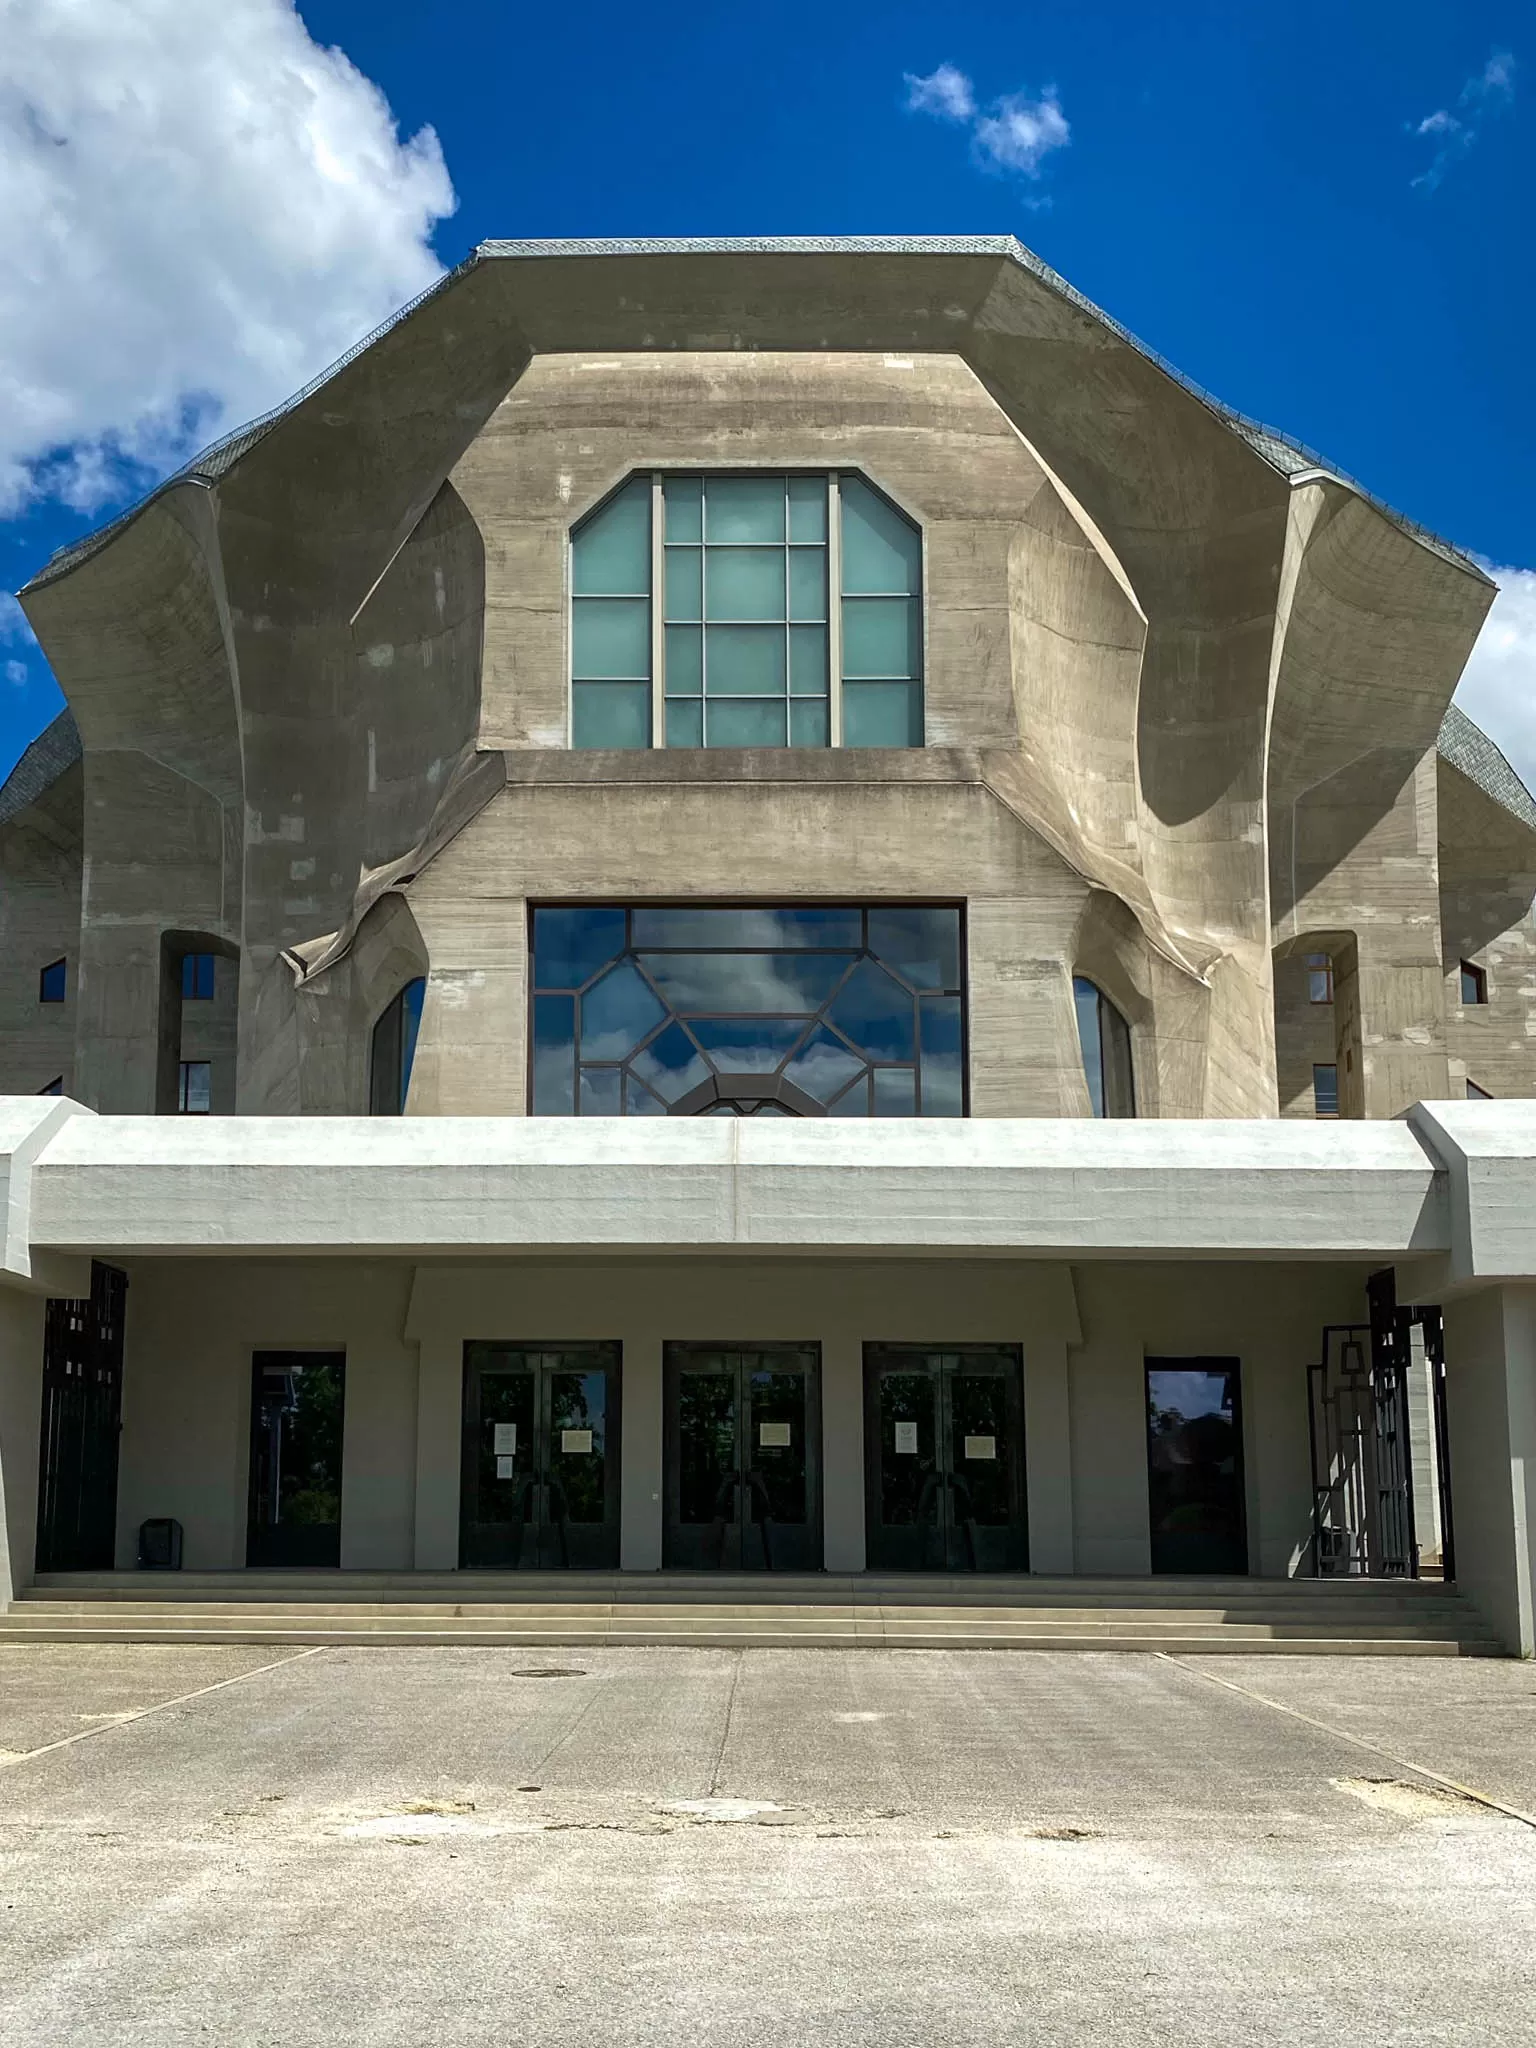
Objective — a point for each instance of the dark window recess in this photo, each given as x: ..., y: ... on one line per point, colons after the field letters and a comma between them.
x: 197, y: 977
x: 53, y: 982
x: 1195, y: 1466
x: 194, y: 1088
x: 1474, y: 983
x: 394, y: 1051
x: 1106, y: 1044
x: 1476, y: 1094
x: 1325, y: 1091
x: 297, y: 1404
x: 1319, y: 978
x: 54, y: 1087
x: 767, y: 1010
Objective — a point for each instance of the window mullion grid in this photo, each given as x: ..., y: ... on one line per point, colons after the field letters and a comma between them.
x: 834, y: 612
x: 658, y: 614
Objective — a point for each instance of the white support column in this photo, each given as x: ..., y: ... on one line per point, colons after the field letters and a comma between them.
x: 1490, y: 1345
x: 1048, y: 1456
x: 21, y: 1407
x: 640, y: 1502
x: 842, y: 1454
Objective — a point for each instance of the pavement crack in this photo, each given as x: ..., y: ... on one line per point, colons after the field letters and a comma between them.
x: 725, y: 1732
x: 1403, y: 1763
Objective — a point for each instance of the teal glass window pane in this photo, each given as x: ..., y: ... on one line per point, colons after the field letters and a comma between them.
x: 807, y: 583
x: 612, y: 551
x: 881, y: 636
x: 807, y: 508
x: 611, y: 636
x: 744, y: 661
x: 744, y: 723
x: 685, y: 722
x: 882, y: 551
x: 685, y: 583
x: 744, y: 508
x: 921, y: 945
x: 685, y: 661
x: 808, y: 661
x: 808, y: 726
x: 744, y: 583
x: 610, y: 714
x: 895, y: 1091
x: 882, y: 715
x: 684, y: 500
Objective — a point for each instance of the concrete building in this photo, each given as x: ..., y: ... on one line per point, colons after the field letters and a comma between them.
x: 808, y: 682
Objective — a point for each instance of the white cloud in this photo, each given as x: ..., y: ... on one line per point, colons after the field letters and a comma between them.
x: 203, y: 209
x: 16, y: 672
x: 1498, y: 686
x: 1016, y: 133
x: 1020, y: 132
x: 945, y: 92
x: 1454, y: 134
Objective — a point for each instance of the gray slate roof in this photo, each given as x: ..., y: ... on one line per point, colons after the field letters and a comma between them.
x: 1290, y: 456
x: 56, y: 748
x: 1468, y: 748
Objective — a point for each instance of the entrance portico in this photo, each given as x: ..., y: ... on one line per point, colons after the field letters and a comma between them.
x: 756, y: 1301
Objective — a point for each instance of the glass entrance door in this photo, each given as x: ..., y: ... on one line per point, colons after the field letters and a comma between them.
x: 297, y: 1403
x: 540, y: 1485
x: 1195, y: 1466
x: 944, y: 1459
x: 743, y: 1455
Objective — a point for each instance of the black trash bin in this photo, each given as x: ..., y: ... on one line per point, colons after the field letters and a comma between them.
x: 160, y: 1545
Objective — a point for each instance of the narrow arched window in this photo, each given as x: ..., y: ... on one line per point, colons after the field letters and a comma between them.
x: 1106, y: 1043
x: 394, y: 1049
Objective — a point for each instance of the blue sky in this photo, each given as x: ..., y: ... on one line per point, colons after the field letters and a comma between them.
x: 1322, y: 213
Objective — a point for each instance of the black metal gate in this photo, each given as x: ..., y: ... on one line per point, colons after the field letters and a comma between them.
x: 82, y: 1407
x: 1364, y: 1522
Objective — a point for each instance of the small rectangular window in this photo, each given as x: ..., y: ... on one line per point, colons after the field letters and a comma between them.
x: 1319, y: 977
x: 1474, y: 984
x: 194, y: 1095
x: 197, y: 978
x: 1325, y: 1090
x: 52, y: 982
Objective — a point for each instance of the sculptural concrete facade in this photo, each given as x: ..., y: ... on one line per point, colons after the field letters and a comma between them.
x: 1185, y: 745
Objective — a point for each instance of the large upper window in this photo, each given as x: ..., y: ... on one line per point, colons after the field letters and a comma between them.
x: 1106, y: 1043
x: 394, y: 1050
x: 805, y: 1010
x: 700, y: 615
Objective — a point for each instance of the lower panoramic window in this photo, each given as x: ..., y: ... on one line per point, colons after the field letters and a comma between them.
x: 761, y: 1010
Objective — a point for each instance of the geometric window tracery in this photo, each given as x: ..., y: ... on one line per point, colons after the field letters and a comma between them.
x: 763, y: 1010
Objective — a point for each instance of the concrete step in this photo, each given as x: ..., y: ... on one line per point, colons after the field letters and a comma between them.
x: 762, y: 1635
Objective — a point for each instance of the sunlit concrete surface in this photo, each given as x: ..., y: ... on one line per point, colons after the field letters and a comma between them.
x: 929, y: 1847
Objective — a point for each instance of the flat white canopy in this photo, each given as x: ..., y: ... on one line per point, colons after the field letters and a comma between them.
x: 1452, y: 1180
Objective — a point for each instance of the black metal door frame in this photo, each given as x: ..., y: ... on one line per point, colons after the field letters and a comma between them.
x: 81, y: 1427
x: 540, y: 1522
x: 944, y: 1490
x: 742, y: 1503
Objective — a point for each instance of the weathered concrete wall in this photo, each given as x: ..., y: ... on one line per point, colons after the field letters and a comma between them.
x: 1490, y: 1346
x: 40, y: 856
x: 1487, y: 893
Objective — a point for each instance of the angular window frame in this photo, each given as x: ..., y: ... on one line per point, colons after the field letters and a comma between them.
x: 197, y: 977
x: 615, y: 1079
x: 53, y: 981
x: 392, y: 1049
x: 1112, y: 1089
x: 1321, y: 1092
x: 1474, y: 985
x: 186, y: 1087
x: 681, y: 628
x: 1319, y: 978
